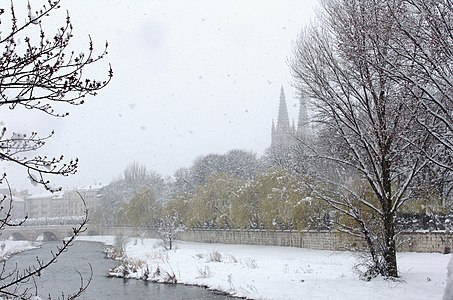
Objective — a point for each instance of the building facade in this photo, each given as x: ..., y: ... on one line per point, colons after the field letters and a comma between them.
x: 14, y: 206
x: 69, y: 203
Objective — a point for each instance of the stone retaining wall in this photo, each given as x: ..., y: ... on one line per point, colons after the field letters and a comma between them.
x: 321, y: 240
x: 426, y: 242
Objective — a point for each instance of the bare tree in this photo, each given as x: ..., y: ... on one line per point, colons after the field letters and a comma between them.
x: 372, y: 139
x: 37, y: 72
x: 136, y: 179
x: 425, y: 46
x: 169, y: 226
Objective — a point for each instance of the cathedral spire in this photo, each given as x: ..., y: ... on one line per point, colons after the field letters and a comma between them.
x: 283, y: 132
x: 283, y: 119
x: 303, y: 126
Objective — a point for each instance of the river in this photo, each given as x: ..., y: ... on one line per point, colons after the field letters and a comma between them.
x: 62, y: 277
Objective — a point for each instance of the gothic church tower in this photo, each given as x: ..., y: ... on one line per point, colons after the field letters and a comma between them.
x: 284, y: 134
x: 303, y: 124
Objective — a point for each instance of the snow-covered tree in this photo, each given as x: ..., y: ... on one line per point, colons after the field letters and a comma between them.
x: 169, y: 227
x: 365, y: 118
x: 425, y: 45
x: 135, y: 179
x: 238, y: 163
x: 141, y: 211
x: 242, y: 164
x: 183, y: 182
x: 38, y: 72
x: 182, y: 204
x: 276, y: 199
x: 211, y: 202
x: 292, y: 158
x: 207, y: 165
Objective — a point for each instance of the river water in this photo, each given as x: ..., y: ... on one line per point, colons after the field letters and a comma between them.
x: 62, y: 277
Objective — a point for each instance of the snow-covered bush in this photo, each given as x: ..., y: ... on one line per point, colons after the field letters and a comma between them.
x: 215, y: 256
x: 250, y: 263
x: 135, y: 268
x: 120, y: 245
x: 231, y: 258
x: 118, y: 250
x: 158, y: 256
x: 365, y: 267
x: 204, y: 272
x: 170, y: 277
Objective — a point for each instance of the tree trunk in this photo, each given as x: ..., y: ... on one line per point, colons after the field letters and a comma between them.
x: 389, y: 244
x: 389, y: 251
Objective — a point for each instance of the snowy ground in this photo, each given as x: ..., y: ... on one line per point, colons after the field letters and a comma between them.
x: 9, y: 248
x: 267, y: 272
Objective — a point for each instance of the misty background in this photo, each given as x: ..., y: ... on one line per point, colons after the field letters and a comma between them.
x: 190, y: 78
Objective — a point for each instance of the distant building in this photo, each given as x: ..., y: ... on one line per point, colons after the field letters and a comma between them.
x: 62, y: 204
x: 17, y: 203
x: 285, y: 133
x: 41, y: 206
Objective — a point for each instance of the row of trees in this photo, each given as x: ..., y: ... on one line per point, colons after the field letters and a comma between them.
x: 270, y: 196
x: 377, y: 76
x: 272, y: 200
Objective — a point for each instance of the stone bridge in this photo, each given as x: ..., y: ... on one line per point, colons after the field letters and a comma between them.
x: 59, y: 232
x: 43, y: 232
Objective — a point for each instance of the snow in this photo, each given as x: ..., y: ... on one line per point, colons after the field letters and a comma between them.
x: 105, y: 239
x: 448, y: 294
x: 269, y: 272
x: 8, y: 248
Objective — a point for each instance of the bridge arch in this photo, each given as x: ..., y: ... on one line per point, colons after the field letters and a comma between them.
x: 47, y: 236
x: 92, y: 232
x: 17, y: 236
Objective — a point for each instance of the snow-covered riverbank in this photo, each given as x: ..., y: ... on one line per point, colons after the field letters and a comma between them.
x: 266, y: 272
x: 9, y: 248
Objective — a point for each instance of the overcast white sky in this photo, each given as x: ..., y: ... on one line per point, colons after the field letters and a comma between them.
x: 190, y: 78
